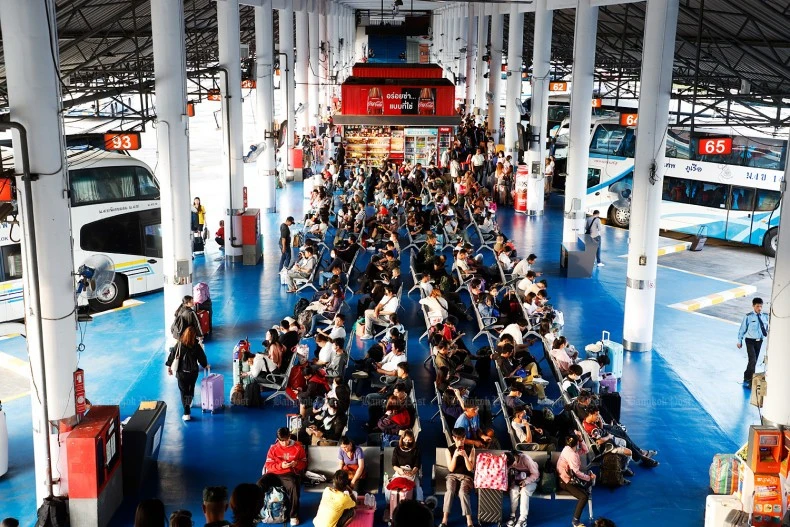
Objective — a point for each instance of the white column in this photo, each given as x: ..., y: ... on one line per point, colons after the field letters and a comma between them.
x: 459, y: 59
x: 264, y: 98
x: 775, y: 405
x: 35, y: 101
x: 580, y: 120
x: 315, y: 66
x: 287, y: 88
x: 658, y: 53
x: 172, y: 137
x: 541, y: 66
x: 495, y: 73
x: 325, y: 55
x: 480, y: 65
x: 471, y: 53
x: 301, y: 66
x: 514, y: 61
x: 230, y: 59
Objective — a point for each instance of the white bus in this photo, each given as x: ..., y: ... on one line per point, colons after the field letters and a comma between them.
x: 732, y: 196
x: 115, y: 211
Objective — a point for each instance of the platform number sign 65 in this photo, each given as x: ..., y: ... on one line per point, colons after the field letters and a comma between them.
x: 715, y: 146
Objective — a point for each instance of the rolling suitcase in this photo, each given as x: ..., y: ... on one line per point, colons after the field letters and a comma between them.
x: 699, y: 240
x: 396, y: 496
x: 608, y: 383
x: 212, y: 392
x: 614, y: 350
x: 489, y: 506
x: 204, y: 318
x: 197, y: 243
x: 610, y: 406
x: 363, y: 515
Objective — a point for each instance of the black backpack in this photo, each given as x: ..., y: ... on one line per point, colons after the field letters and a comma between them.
x: 252, y: 395
x: 612, y: 471
x: 300, y: 306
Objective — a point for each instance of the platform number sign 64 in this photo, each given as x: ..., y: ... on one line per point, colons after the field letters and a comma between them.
x: 715, y: 146
x: 629, y: 119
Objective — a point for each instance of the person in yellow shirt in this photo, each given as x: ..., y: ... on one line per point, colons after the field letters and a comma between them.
x: 198, y: 216
x: 337, y: 503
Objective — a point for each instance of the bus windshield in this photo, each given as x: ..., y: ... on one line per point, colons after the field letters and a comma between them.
x: 613, y: 140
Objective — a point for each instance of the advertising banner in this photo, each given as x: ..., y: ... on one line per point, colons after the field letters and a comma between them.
x: 377, y: 100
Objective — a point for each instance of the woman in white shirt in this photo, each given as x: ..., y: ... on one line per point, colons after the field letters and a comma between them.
x: 437, y: 306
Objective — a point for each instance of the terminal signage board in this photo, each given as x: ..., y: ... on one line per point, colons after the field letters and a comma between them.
x: 714, y: 146
x: 397, y: 100
x: 122, y: 141
x: 629, y: 119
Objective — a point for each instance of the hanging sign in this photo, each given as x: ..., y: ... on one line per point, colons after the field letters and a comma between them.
x: 628, y: 119
x: 122, y: 141
x: 558, y: 86
x: 79, y: 392
x: 214, y: 95
x: 597, y: 103
x: 714, y: 146
x: 248, y: 84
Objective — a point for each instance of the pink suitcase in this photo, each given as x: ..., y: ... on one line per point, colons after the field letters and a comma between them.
x: 397, y: 496
x: 608, y: 383
x: 212, y: 393
x: 363, y: 516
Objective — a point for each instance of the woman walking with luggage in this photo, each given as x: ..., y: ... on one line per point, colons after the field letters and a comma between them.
x: 572, y: 479
x: 183, y: 360
x: 186, y: 317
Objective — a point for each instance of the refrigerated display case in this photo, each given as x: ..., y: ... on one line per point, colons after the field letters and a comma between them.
x: 445, y: 142
x: 373, y: 144
x: 420, y: 145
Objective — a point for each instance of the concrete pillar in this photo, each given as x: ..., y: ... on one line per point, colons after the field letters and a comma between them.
x: 325, y: 55
x: 301, y: 66
x: 514, y: 61
x: 480, y: 65
x: 471, y: 54
x: 775, y: 405
x: 459, y: 59
x: 172, y: 136
x: 35, y: 101
x: 495, y: 73
x: 233, y: 147
x: 287, y: 88
x: 658, y: 53
x: 541, y: 70
x: 264, y: 99
x: 315, y: 66
x: 581, y: 118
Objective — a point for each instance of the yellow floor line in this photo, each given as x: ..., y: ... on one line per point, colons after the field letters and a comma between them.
x: 11, y: 363
x: 715, y: 318
x: 669, y: 249
x: 714, y: 298
x: 126, y: 305
x: 699, y: 274
x: 15, y: 397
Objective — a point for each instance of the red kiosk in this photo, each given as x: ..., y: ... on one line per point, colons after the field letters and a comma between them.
x: 403, y: 112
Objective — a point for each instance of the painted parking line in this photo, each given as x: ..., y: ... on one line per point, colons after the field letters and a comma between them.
x: 126, y: 305
x: 9, y: 363
x: 669, y: 249
x: 714, y: 298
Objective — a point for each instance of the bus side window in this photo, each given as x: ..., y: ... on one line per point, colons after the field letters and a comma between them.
x: 12, y: 261
x: 742, y: 198
x: 593, y: 177
x: 767, y: 200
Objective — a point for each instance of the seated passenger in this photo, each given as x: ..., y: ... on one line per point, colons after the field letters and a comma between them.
x: 461, y: 465
x: 469, y: 421
x: 406, y: 463
x: 287, y: 459
x: 572, y: 479
x: 522, y: 485
x: 603, y: 433
x: 338, y: 502
x: 351, y: 461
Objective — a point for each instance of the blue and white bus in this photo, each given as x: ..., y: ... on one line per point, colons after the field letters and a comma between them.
x: 732, y: 197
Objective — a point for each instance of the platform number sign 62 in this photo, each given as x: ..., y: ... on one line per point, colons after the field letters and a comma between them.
x: 715, y: 146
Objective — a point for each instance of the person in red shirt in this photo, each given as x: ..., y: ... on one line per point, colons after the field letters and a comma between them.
x: 219, y: 237
x: 288, y: 460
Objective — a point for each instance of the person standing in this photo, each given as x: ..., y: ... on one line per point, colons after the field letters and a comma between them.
x: 478, y: 160
x: 593, y: 229
x: 198, y: 216
x: 285, y: 242
x: 185, y: 317
x: 548, y: 175
x: 287, y: 459
x: 190, y: 354
x: 754, y: 329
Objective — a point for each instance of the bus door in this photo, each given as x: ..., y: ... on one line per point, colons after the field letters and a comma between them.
x: 151, y: 225
x: 766, y: 214
x: 740, y: 213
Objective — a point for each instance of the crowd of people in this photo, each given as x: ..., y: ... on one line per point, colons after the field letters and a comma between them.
x: 364, y: 227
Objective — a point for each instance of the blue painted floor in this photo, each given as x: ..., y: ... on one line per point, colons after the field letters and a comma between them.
x: 684, y: 399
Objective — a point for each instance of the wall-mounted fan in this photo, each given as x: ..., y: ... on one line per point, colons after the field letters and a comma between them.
x: 98, y: 282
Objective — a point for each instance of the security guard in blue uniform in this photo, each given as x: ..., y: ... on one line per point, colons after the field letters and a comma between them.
x: 754, y: 329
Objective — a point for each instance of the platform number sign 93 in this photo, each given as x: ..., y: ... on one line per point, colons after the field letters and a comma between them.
x: 715, y: 146
x: 122, y: 141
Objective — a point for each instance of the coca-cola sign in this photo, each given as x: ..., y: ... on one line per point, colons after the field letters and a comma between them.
x: 386, y: 100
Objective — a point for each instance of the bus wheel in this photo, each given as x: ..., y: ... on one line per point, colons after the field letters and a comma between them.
x: 111, y: 296
x: 619, y: 217
x: 770, y: 242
